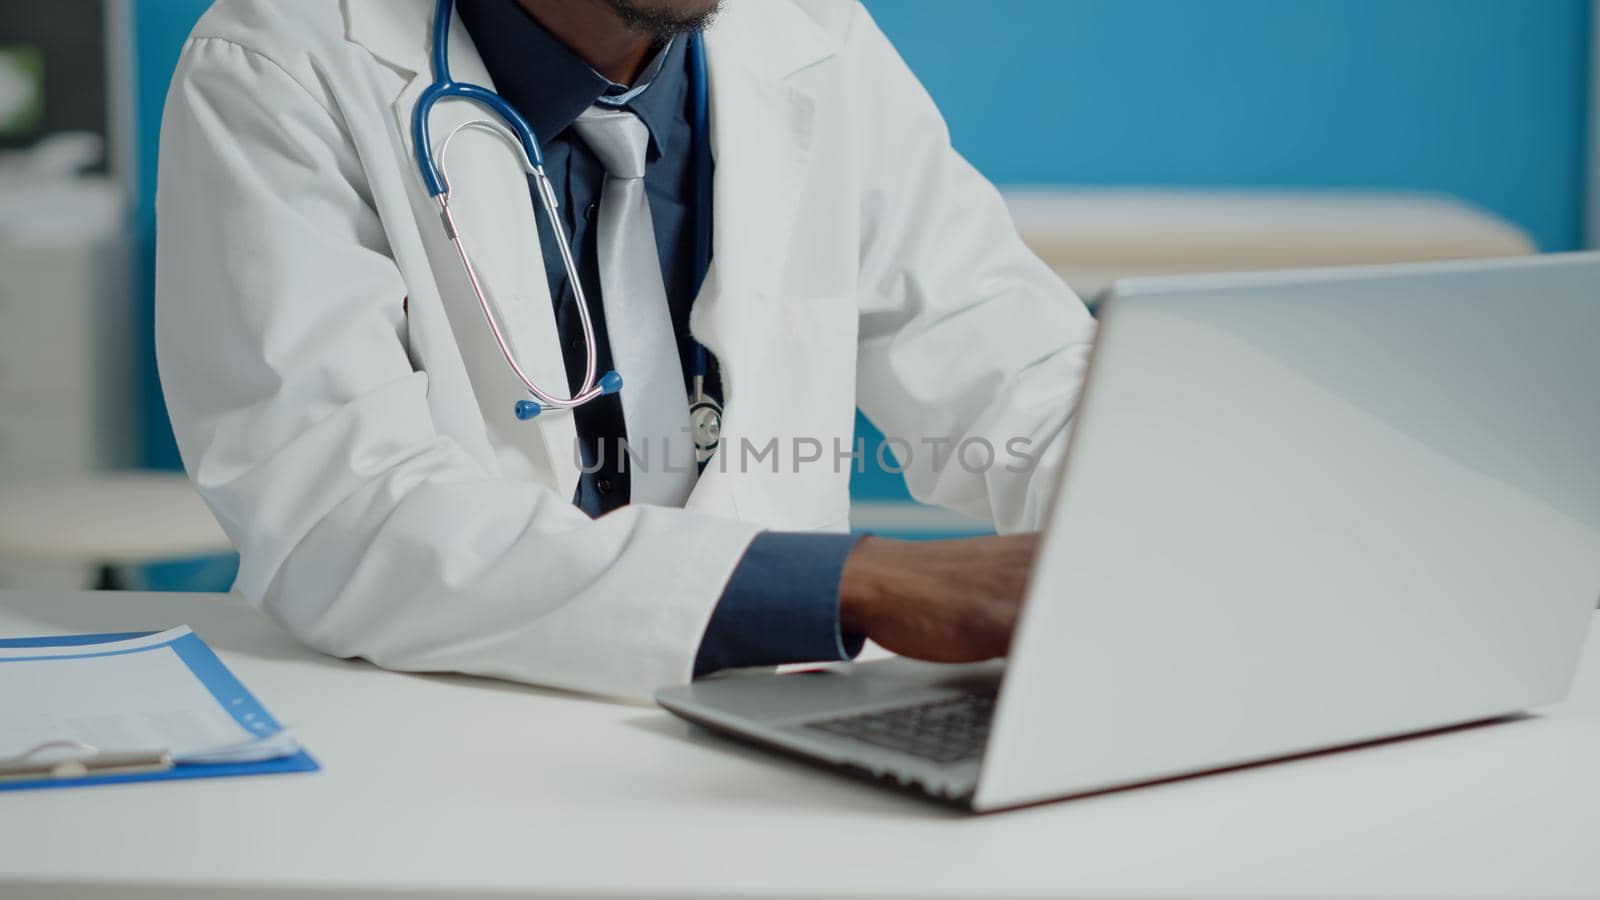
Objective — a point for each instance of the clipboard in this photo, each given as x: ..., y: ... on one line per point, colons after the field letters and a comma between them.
x: 38, y: 764
x: 68, y: 762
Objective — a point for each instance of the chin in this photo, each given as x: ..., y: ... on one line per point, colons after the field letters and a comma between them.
x: 666, y: 17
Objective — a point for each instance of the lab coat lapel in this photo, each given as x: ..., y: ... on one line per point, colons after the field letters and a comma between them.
x: 495, y: 215
x: 761, y: 131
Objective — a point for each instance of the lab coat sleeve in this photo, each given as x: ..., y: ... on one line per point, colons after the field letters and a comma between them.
x: 971, y: 349
x: 359, y: 525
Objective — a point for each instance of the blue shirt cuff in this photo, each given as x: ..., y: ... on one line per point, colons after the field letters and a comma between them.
x: 781, y: 605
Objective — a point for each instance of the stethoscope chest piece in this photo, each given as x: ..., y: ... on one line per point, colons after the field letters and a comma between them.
x: 705, y: 422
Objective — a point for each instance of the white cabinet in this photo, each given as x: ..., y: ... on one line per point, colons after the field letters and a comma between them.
x: 68, y: 393
x: 68, y: 388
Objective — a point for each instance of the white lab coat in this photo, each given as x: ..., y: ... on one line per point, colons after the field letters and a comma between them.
x: 339, y: 403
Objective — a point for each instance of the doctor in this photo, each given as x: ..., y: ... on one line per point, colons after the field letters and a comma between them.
x: 524, y: 338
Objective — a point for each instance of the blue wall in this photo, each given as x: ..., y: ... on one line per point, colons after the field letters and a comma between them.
x: 1484, y: 99
x: 159, y: 29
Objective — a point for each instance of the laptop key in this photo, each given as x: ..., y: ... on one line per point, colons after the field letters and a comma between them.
x: 945, y: 731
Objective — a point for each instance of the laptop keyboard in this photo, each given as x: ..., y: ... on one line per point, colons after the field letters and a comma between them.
x: 945, y: 731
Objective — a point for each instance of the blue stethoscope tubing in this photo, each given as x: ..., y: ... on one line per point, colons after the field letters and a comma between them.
x: 514, y: 127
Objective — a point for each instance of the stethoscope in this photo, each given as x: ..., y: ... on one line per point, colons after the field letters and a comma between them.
x: 705, y: 414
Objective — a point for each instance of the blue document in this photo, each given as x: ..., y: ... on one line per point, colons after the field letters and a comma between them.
x: 73, y: 702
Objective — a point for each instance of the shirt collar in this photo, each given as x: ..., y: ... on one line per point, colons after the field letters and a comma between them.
x: 551, y: 85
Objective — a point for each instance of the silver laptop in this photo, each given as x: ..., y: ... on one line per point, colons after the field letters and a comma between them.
x: 1299, y: 510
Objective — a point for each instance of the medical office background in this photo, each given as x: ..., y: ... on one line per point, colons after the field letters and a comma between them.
x: 1131, y: 136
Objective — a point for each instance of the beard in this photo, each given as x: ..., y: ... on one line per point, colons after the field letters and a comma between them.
x: 665, y: 18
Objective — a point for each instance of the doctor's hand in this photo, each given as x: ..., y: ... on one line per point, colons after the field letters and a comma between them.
x: 942, y: 601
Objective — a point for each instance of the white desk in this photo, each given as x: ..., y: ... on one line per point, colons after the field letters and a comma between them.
x: 455, y: 787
